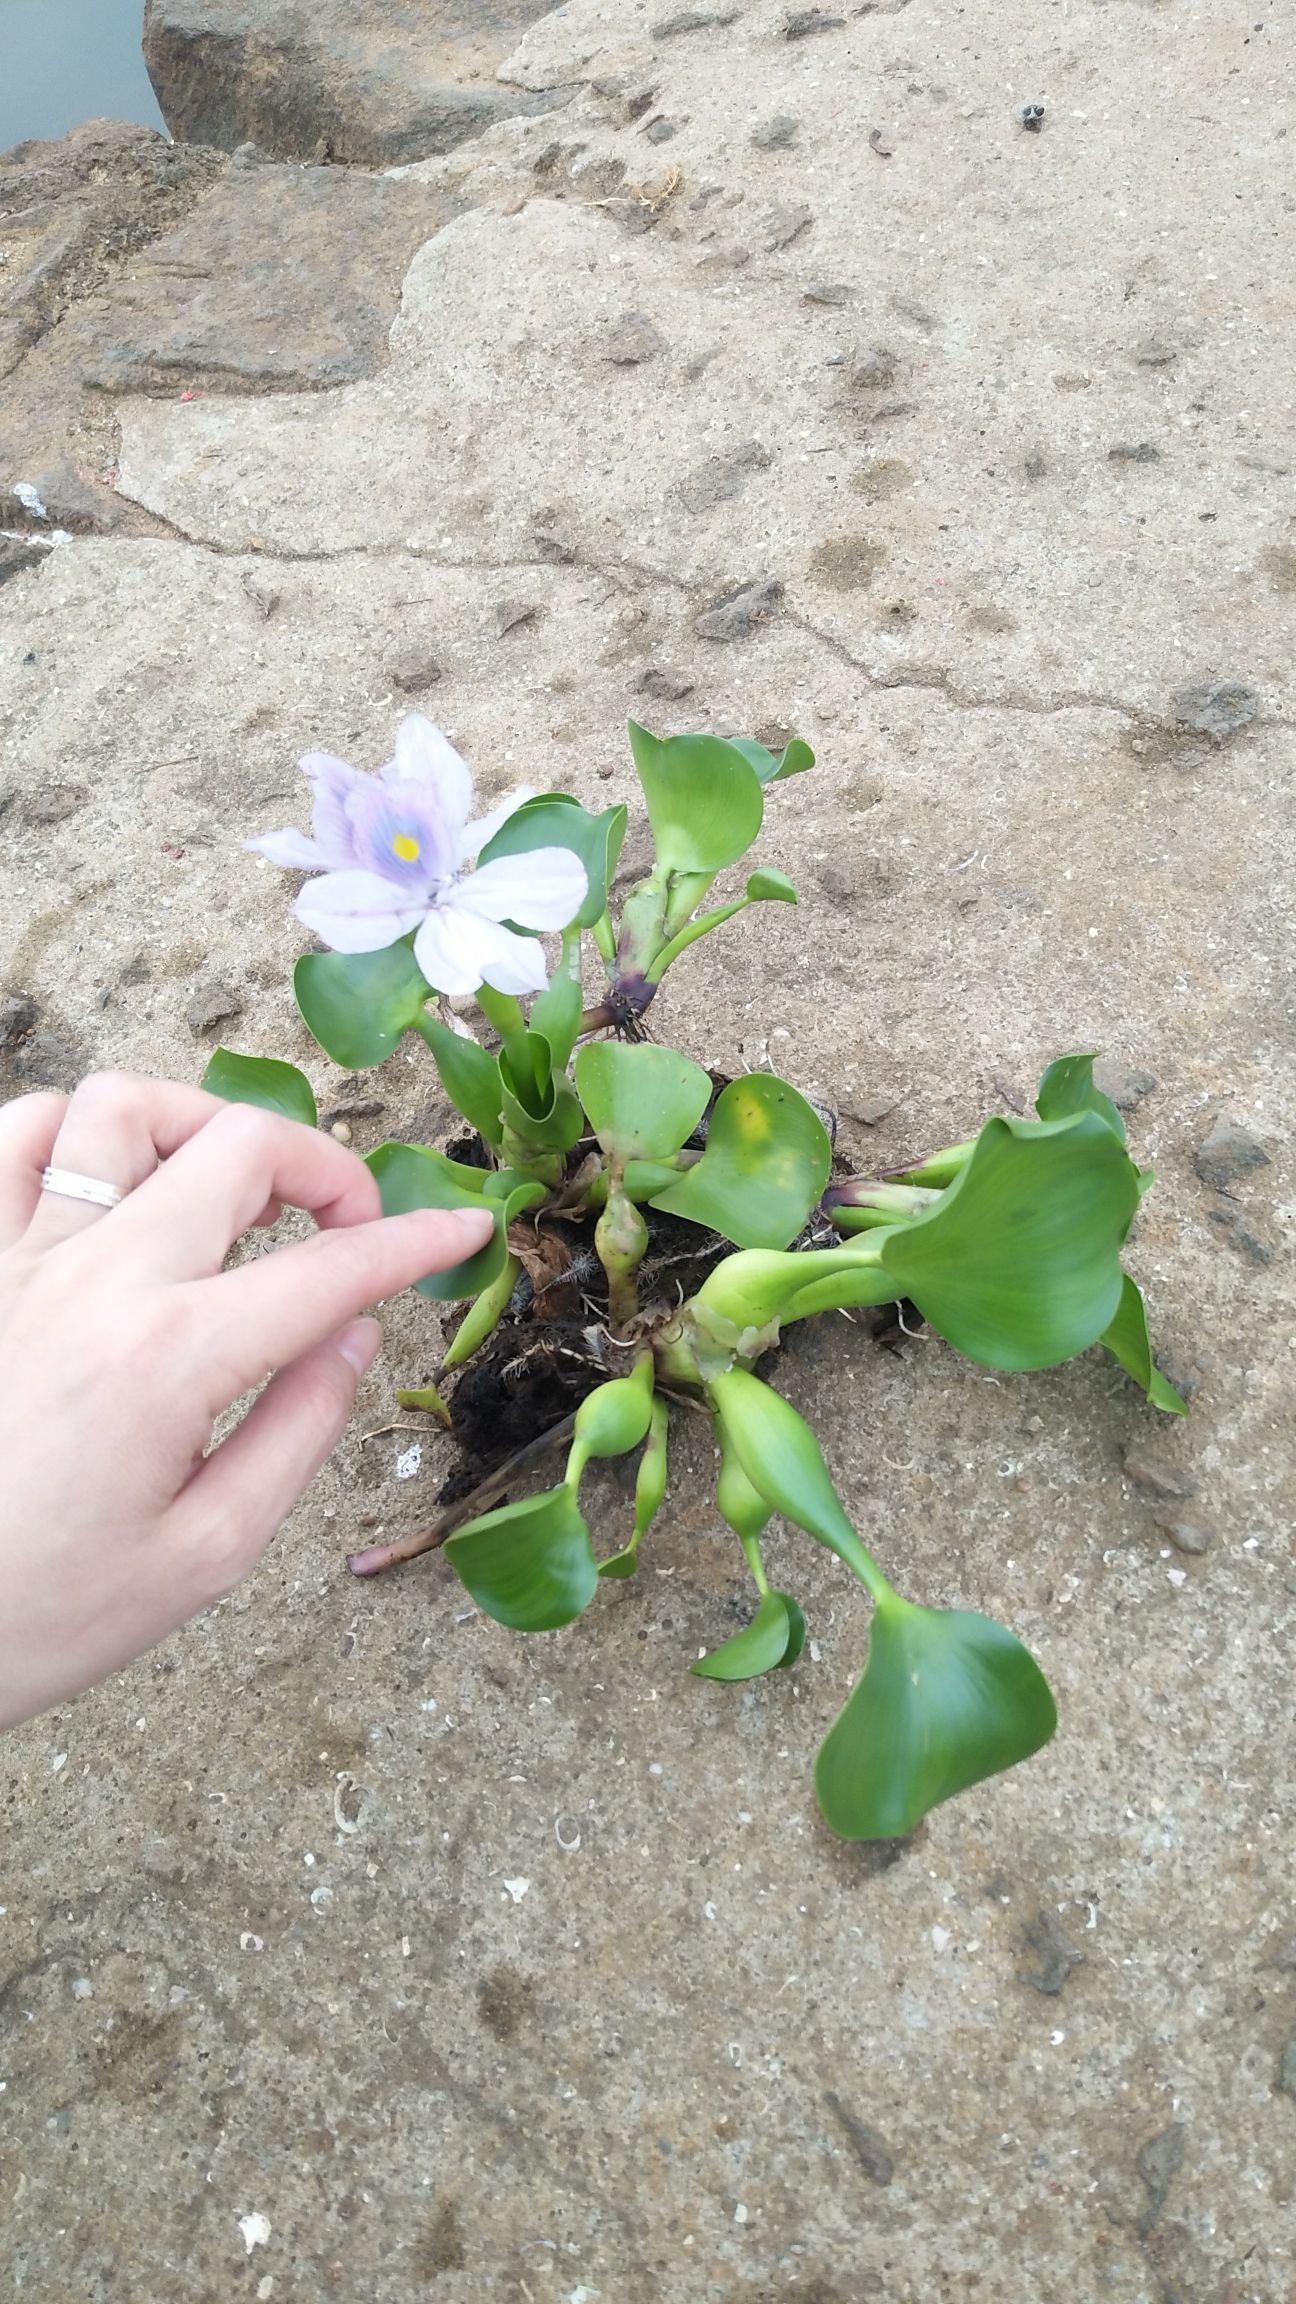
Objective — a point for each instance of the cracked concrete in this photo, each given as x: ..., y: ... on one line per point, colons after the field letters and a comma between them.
x: 484, y: 1968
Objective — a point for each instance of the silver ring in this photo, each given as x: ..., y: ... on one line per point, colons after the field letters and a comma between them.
x: 74, y: 1187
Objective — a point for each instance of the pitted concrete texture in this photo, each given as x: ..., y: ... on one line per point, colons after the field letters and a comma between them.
x: 353, y: 1946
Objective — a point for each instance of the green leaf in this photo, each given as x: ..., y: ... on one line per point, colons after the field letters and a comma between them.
x: 760, y: 1285
x: 529, y: 1565
x: 556, y: 1012
x: 545, y: 1114
x: 414, y: 1176
x: 642, y: 1102
x: 770, y: 1643
x: 612, y: 1419
x: 553, y: 820
x: 794, y: 759
x: 766, y: 1162
x: 650, y: 1490
x: 704, y: 797
x: 263, y: 1081
x: 1068, y: 1087
x: 770, y: 888
x: 470, y: 1076
x: 945, y: 1700
x: 1018, y: 1264
x: 1128, y: 1341
x: 359, y: 1004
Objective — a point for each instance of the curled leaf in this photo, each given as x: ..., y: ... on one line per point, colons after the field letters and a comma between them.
x: 263, y: 1081
x: 770, y: 1643
x: 529, y: 1565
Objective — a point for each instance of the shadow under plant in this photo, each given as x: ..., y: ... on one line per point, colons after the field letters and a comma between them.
x: 596, y: 1149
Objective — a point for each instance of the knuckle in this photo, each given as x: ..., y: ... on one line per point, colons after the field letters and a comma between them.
x: 109, y: 1094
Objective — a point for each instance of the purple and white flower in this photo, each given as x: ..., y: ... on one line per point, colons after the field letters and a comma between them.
x: 392, y: 850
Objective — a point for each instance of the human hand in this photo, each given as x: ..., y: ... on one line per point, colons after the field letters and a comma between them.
x: 122, y: 1341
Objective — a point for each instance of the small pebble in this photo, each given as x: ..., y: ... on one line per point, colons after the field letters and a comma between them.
x: 340, y: 1132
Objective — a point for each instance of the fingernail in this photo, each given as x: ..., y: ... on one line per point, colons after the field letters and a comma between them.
x: 359, y: 1345
x: 473, y: 1226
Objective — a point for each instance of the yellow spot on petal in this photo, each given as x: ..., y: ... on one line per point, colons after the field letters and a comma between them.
x: 406, y: 847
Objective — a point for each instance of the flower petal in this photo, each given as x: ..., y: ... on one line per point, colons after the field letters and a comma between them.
x: 458, y: 951
x: 544, y: 888
x: 483, y: 828
x: 400, y: 832
x: 356, y: 911
x: 424, y: 756
x: 291, y: 849
x: 332, y: 783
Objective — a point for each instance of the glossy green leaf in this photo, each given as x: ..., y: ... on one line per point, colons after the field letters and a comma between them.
x: 414, y: 1176
x: 770, y: 1643
x: 760, y: 1285
x: 770, y: 888
x: 263, y: 1081
x: 642, y: 1101
x: 705, y: 801
x: 1068, y: 1087
x: 553, y: 820
x: 793, y: 760
x: 470, y: 1076
x: 1018, y: 1264
x: 1128, y: 1341
x: 766, y: 1162
x: 360, y: 1004
x: 529, y: 1565
x: 543, y: 1111
x: 945, y: 1700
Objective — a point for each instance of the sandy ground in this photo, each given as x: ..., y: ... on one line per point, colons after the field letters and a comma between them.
x: 478, y: 1967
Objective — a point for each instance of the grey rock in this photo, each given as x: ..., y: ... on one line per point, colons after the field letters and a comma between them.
x: 1187, y: 1536
x: 1125, y: 1086
x: 781, y: 226
x: 1286, y: 2080
x: 1154, y: 352
x: 1159, y: 2162
x: 1035, y: 467
x: 659, y: 681
x: 777, y: 134
x: 212, y: 1004
x: 1240, y: 1236
x: 46, y: 1060
x: 720, y: 480
x: 19, y: 1015
x: 1155, y: 1477
x: 1228, y: 1154
x: 661, y: 130
x: 632, y: 340
x: 52, y: 803
x: 264, y: 595
x: 1215, y: 708
x: 232, y: 297
x: 872, y: 368
x: 395, y: 81
x: 832, y: 293
x: 736, y: 614
x: 509, y: 614
x: 413, y: 668
x: 1055, y: 1957
x: 838, y: 880
x: 1134, y: 452
x: 16, y: 556
x: 871, y: 2150
x: 803, y: 23
x: 693, y: 20
x: 870, y: 1110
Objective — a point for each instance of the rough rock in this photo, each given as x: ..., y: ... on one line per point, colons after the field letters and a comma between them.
x: 19, y: 1015
x: 230, y: 300
x: 736, y: 614
x: 393, y: 81
x: 413, y: 668
x: 1228, y: 1154
x: 1215, y: 708
x: 633, y: 339
x: 212, y: 1005
x: 1053, y: 1956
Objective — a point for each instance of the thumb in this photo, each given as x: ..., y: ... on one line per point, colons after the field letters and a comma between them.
x: 246, y: 1488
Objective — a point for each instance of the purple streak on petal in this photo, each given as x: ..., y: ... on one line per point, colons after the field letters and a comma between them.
x: 544, y: 888
x: 291, y: 849
x: 424, y: 756
x: 356, y: 911
x: 332, y: 783
x: 484, y: 828
x: 381, y: 814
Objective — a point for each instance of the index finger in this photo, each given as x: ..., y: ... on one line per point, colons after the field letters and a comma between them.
x: 182, y: 1223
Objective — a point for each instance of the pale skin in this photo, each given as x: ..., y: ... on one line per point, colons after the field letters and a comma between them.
x: 123, y: 1341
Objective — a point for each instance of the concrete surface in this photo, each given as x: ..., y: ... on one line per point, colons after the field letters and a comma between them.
x: 483, y: 1968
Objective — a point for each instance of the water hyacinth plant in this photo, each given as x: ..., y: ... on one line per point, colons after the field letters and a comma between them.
x: 591, y: 1144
